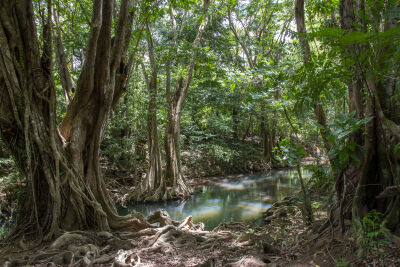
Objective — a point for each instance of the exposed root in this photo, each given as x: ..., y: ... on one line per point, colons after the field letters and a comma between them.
x: 280, y: 209
x: 162, y: 217
x: 248, y: 261
x: 157, y: 245
x: 126, y: 259
x: 69, y: 239
x: 80, y: 248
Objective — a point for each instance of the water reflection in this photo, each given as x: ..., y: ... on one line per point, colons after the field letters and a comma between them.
x: 237, y: 198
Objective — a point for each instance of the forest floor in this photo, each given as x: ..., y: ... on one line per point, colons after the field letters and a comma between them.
x: 284, y: 240
x: 308, y: 245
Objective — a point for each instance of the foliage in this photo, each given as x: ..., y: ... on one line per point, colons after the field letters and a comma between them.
x: 343, y: 262
x: 8, y: 171
x: 344, y: 149
x: 11, y: 191
x: 250, y: 92
x: 322, y: 175
x: 288, y: 152
x: 371, y: 233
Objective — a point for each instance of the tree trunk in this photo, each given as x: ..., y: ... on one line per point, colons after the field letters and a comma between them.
x: 379, y: 168
x: 61, y: 59
x: 84, y: 124
x: 172, y: 131
x: 235, y: 121
x: 64, y: 189
x: 154, y: 186
x: 307, y: 208
x: 64, y: 186
x: 266, y: 138
x: 301, y: 30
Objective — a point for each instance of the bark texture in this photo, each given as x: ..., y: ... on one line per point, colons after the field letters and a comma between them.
x: 27, y: 125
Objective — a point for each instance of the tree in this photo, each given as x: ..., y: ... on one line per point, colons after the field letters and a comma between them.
x: 153, y: 187
x: 301, y: 30
x: 260, y: 37
x: 371, y: 90
x: 64, y: 184
x: 175, y: 101
x: 292, y: 153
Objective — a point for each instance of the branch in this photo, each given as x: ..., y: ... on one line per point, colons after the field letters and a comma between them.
x: 85, y: 84
x: 301, y: 29
x: 46, y: 59
x: 195, y: 45
x: 170, y: 52
x: 390, y: 191
x: 120, y: 32
x: 122, y: 77
x: 239, y: 39
x: 150, y: 46
x: 61, y: 59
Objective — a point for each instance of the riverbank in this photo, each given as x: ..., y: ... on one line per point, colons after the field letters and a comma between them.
x: 308, y: 245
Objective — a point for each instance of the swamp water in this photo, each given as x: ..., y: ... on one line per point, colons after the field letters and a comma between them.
x: 235, y: 198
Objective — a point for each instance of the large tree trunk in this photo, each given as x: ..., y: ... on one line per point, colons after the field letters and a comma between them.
x: 28, y: 127
x: 64, y: 189
x: 172, y: 131
x: 378, y: 174
x: 84, y: 124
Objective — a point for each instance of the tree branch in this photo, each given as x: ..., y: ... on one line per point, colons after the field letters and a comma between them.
x: 195, y: 45
x: 239, y: 39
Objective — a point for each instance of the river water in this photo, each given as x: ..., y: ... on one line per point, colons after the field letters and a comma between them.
x: 235, y: 198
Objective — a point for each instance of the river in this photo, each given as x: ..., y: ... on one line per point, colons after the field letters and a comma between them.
x: 234, y: 198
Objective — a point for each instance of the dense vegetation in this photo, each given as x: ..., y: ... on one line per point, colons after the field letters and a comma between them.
x: 151, y: 95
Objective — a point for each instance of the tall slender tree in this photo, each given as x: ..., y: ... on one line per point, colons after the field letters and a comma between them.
x: 175, y: 102
x: 153, y: 187
x: 302, y: 31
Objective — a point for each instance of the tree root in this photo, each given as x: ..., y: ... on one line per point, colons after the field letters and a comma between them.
x: 80, y: 248
x: 248, y: 261
x: 126, y: 259
x: 164, y: 237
